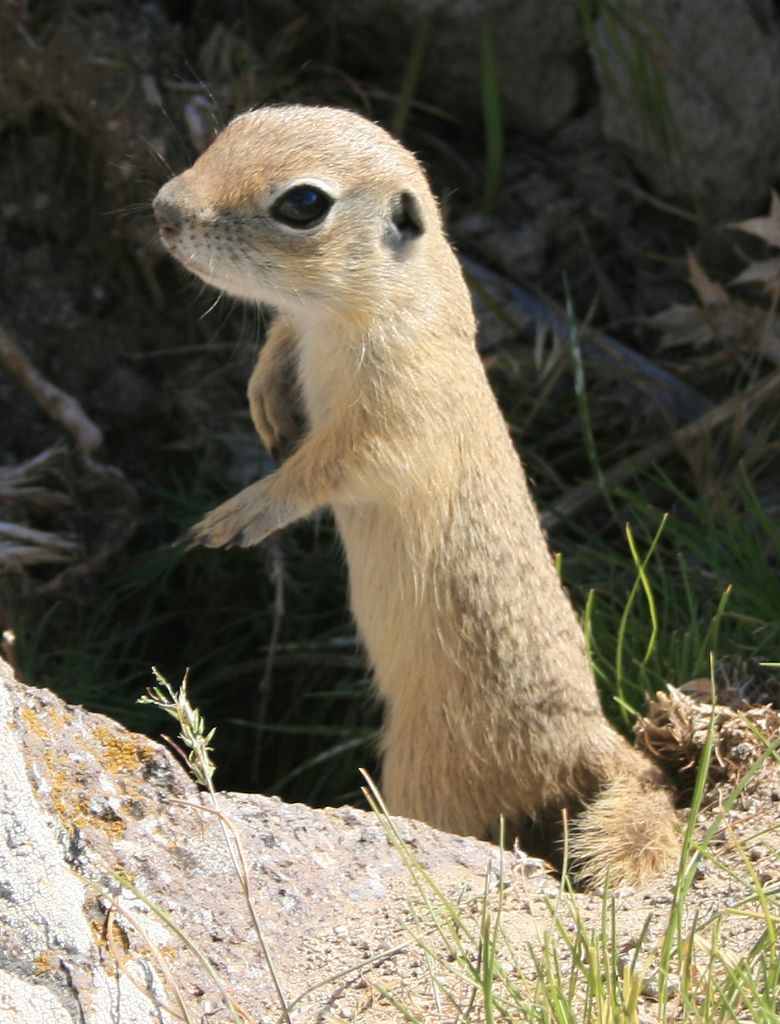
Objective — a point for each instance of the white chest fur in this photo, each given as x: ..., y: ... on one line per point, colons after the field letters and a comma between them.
x: 323, y: 374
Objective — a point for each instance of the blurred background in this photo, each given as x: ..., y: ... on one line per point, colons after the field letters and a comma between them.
x: 605, y: 168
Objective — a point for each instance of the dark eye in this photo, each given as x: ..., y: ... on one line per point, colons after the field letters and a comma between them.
x: 302, y: 207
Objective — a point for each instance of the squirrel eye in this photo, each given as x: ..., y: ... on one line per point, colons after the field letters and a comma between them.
x: 302, y: 206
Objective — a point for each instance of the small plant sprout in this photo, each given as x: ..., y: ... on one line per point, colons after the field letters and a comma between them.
x: 194, y: 736
x: 191, y: 722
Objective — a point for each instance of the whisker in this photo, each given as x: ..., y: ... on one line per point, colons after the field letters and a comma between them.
x: 212, y: 98
x: 155, y: 152
x: 212, y: 307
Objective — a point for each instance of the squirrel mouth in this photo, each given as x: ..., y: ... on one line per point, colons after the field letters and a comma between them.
x: 191, y: 264
x: 197, y: 268
x: 187, y: 260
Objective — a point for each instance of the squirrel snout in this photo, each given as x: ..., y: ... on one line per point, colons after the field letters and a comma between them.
x: 169, y: 218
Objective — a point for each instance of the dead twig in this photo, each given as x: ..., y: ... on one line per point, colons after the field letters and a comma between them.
x: 679, y: 401
x: 61, y: 406
x: 22, y: 546
x: 582, y: 495
x: 25, y: 482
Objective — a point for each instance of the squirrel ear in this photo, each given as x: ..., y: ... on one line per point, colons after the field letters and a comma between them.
x: 407, y: 218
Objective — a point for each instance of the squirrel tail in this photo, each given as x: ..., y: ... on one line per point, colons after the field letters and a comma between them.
x: 627, y: 834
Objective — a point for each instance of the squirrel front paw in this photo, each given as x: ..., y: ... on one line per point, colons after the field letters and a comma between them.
x: 242, y: 521
x: 276, y: 418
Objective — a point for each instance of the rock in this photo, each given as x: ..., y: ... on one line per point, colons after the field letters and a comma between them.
x: 105, y: 840
x: 119, y: 902
x: 538, y: 48
x: 692, y: 92
x: 50, y: 964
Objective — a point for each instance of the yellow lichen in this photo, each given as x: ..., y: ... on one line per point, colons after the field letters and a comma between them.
x: 122, y: 756
x: 45, y: 962
x: 35, y: 723
x: 121, y: 753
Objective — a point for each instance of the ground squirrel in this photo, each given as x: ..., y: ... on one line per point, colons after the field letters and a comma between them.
x: 490, y: 704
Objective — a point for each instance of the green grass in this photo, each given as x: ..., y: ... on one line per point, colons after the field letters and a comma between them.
x: 679, y: 586
x: 491, y: 115
x: 578, y: 969
x: 576, y: 972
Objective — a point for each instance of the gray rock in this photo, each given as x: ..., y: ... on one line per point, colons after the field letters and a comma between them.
x: 536, y: 44
x: 692, y: 92
x: 113, y: 873
x: 119, y: 899
x: 50, y: 966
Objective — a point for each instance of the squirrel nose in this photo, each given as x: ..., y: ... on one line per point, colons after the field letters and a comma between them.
x: 169, y: 218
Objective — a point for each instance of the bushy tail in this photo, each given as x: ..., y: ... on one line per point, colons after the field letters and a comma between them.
x: 628, y: 833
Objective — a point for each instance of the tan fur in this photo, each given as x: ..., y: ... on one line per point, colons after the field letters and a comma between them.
x: 491, y: 708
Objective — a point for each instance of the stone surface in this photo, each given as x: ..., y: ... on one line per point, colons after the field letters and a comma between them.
x: 538, y: 46
x: 116, y: 851
x: 50, y: 966
x: 120, y: 903
x: 717, y: 62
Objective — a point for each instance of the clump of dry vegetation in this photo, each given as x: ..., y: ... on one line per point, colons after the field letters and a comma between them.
x: 677, y: 726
